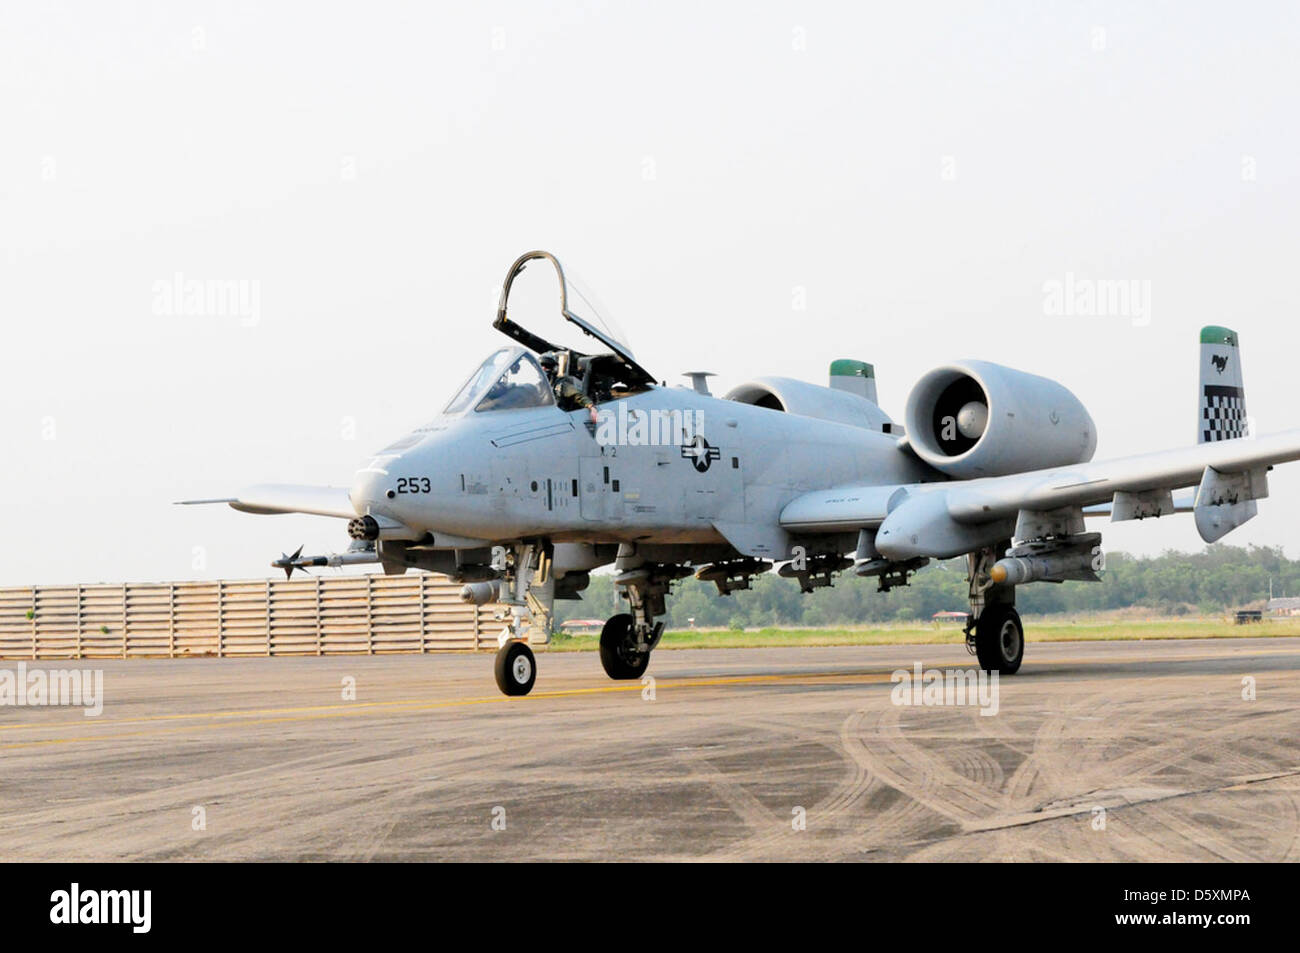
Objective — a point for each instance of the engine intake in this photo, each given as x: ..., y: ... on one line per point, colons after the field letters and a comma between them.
x: 975, y: 419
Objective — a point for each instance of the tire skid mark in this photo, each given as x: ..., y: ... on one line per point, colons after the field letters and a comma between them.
x: 853, y: 787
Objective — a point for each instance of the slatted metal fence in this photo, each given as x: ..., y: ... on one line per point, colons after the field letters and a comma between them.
x: 342, y: 615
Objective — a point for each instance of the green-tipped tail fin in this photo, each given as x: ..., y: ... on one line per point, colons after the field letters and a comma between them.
x: 1222, y: 396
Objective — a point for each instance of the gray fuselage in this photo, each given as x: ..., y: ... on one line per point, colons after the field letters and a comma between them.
x: 508, y: 474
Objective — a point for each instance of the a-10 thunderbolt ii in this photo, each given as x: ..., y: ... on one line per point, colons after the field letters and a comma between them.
x: 551, y: 461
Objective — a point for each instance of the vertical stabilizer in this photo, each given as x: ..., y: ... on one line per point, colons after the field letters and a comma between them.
x: 1222, y: 411
x: 856, y: 377
x: 1224, y: 500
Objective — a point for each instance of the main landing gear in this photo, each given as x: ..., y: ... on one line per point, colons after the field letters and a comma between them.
x: 999, y: 639
x: 619, y: 651
x: 527, y: 591
x: 994, y: 633
x: 628, y: 638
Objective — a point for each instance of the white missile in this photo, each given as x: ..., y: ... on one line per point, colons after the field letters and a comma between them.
x: 1017, y: 570
x: 298, y: 561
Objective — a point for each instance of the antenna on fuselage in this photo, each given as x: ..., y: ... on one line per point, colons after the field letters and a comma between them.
x: 700, y: 381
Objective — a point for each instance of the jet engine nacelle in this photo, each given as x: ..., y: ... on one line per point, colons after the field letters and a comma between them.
x: 810, y: 400
x: 975, y: 419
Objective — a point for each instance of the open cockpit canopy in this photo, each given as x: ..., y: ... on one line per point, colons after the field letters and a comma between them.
x: 613, y: 365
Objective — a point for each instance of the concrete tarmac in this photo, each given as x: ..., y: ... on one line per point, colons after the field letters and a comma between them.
x: 1098, y: 751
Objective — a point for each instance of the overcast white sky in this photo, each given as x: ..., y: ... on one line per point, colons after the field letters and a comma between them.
x: 918, y: 170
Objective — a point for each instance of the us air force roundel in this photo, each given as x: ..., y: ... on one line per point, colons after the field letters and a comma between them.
x: 700, y: 453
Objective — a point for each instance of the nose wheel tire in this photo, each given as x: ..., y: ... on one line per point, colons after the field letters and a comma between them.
x: 999, y: 639
x: 516, y: 669
x: 618, y: 650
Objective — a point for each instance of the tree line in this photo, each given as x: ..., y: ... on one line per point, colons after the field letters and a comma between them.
x: 1215, y: 580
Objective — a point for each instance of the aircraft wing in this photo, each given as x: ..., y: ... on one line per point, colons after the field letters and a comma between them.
x: 275, y: 498
x: 941, y: 518
x: 974, y: 501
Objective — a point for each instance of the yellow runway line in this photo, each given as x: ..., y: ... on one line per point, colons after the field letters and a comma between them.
x: 315, y: 712
x: 260, y: 716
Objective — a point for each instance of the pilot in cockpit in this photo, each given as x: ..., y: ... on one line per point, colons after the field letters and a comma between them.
x: 568, y: 389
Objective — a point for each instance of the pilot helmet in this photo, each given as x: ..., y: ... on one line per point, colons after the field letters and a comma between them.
x: 549, y: 362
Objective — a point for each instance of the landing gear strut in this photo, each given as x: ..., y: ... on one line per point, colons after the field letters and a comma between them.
x: 628, y: 638
x: 994, y: 633
x: 526, y: 591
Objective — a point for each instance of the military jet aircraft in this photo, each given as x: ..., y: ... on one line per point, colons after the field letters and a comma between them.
x: 553, y: 460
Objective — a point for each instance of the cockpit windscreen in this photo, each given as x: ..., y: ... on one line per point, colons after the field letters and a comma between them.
x: 521, y: 385
x: 480, y: 380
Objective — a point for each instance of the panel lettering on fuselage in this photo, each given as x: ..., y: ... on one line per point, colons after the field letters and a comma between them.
x: 715, y: 486
x: 476, y: 483
x: 660, y: 474
x: 560, y: 496
x: 595, y: 488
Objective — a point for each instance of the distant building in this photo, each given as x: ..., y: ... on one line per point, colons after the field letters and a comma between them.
x: 581, y: 625
x: 1286, y: 605
x: 950, y: 616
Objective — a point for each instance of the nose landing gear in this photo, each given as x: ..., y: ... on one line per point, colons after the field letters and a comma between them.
x: 515, y: 668
x: 526, y: 591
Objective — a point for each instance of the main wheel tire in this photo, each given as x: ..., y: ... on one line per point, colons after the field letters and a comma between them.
x: 618, y: 654
x: 999, y: 639
x: 516, y: 669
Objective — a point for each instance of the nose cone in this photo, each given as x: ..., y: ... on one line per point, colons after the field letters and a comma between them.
x: 415, y: 489
x: 370, y: 488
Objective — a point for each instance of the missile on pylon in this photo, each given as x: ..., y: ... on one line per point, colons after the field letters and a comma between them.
x: 352, y: 557
x: 481, y: 593
x: 1049, y: 567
